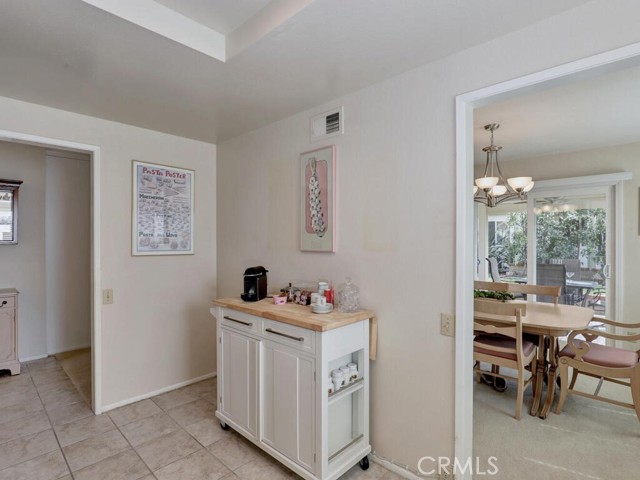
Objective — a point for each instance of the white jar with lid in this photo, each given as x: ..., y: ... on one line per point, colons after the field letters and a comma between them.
x: 337, y: 378
x: 353, y: 371
x: 345, y: 373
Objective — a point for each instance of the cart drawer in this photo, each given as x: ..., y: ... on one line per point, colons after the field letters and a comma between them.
x: 241, y: 321
x: 297, y: 337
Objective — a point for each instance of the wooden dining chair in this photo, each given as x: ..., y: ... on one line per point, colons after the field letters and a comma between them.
x: 606, y: 363
x: 502, y: 345
x: 546, y: 291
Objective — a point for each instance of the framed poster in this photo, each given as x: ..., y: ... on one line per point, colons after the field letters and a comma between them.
x: 162, y: 210
x: 318, y: 177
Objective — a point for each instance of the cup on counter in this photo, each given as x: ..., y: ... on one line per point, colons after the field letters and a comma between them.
x: 314, y: 298
x: 322, y: 301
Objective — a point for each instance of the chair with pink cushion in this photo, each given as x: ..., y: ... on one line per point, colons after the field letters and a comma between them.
x: 500, y: 344
x: 606, y: 363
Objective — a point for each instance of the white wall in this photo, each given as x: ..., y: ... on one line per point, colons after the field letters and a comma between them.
x: 395, y: 211
x: 68, y: 241
x: 22, y: 265
x: 159, y: 331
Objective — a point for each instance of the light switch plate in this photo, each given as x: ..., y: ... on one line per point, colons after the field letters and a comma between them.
x: 107, y: 296
x: 448, y: 324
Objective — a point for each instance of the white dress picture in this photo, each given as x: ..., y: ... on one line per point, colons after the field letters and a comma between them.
x: 318, y: 177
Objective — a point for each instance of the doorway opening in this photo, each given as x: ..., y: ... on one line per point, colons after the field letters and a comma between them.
x: 466, y: 254
x: 91, y: 153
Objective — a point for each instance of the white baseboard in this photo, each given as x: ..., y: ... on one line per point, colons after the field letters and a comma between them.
x: 144, y: 396
x: 30, y: 359
x: 70, y: 349
x: 397, y: 469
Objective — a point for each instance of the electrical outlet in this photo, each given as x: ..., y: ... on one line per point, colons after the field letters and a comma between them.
x: 448, y: 324
x: 107, y: 296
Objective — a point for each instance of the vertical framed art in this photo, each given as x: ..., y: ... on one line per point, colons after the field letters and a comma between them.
x: 318, y: 177
x: 162, y: 220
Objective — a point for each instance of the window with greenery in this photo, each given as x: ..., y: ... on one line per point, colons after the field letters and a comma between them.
x: 579, y: 234
x: 573, y: 234
x: 508, y: 240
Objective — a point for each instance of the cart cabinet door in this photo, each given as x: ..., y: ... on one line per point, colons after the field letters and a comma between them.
x: 240, y: 380
x: 288, y: 422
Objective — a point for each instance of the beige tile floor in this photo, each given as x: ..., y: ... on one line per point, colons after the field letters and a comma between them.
x: 77, y: 366
x: 48, y: 432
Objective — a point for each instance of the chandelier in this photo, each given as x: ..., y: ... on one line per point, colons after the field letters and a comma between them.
x: 492, y: 189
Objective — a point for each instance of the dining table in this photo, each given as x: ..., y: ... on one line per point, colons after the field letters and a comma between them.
x: 547, y: 321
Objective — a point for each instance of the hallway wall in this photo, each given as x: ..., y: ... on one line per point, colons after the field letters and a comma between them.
x: 22, y: 265
x: 67, y: 250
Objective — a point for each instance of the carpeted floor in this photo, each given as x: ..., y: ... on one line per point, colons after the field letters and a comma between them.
x: 588, y: 440
x: 77, y: 365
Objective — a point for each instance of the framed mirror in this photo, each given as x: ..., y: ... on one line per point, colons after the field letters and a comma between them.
x: 9, y: 211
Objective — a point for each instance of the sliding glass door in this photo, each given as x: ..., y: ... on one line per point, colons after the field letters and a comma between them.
x: 571, y: 233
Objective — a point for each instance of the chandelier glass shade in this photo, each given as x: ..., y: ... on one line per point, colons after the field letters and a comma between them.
x: 492, y: 188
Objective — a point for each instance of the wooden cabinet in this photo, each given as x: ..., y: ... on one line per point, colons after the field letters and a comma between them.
x: 274, y: 388
x: 9, y: 330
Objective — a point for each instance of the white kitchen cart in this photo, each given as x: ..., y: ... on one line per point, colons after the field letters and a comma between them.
x: 274, y: 363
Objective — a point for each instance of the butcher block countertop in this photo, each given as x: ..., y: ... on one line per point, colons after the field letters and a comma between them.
x: 293, y: 314
x: 302, y: 316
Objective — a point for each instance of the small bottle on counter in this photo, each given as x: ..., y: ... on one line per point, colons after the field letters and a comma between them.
x: 328, y: 294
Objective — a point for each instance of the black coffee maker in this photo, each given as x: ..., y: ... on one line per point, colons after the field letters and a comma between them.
x: 255, y: 284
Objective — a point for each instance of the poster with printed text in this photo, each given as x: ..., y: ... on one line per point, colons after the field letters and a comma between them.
x: 162, y: 210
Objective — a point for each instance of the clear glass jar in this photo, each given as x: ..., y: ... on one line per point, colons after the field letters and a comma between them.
x: 348, y: 297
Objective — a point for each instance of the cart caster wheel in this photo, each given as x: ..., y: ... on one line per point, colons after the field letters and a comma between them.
x: 224, y: 426
x: 364, y: 463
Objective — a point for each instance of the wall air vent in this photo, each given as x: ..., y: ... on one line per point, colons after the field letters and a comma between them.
x: 326, y: 124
